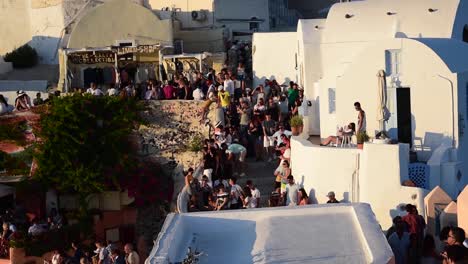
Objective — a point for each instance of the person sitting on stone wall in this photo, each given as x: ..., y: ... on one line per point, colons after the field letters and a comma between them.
x: 38, y: 100
x: 22, y: 101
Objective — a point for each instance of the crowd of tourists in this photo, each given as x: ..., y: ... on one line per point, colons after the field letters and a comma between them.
x: 23, y: 102
x: 21, y: 226
x: 103, y: 253
x: 410, y: 243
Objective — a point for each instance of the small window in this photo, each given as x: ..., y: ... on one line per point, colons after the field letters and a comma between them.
x: 393, y: 62
x: 465, y: 33
x: 331, y: 100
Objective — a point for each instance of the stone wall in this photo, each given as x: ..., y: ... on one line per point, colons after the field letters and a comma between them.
x: 169, y: 129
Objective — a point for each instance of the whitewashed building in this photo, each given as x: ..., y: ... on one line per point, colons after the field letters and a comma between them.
x: 47, y: 24
x: 422, y: 46
x: 274, y: 235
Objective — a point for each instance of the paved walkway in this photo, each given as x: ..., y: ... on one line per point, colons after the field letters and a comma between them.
x: 261, y: 173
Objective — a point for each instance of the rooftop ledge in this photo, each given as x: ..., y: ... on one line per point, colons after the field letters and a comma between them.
x: 279, y: 235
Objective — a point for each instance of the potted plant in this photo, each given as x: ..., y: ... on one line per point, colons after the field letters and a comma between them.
x: 297, y: 124
x: 361, y: 138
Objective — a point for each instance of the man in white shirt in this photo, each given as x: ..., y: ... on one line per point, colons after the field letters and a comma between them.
x: 198, y: 94
x: 102, y: 253
x: 277, y: 135
x: 255, y: 194
x: 291, y: 192
x: 94, y: 90
x: 112, y: 91
x: 229, y: 85
x: 236, y: 193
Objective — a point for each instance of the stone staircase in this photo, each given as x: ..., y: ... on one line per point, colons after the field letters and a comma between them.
x: 261, y: 173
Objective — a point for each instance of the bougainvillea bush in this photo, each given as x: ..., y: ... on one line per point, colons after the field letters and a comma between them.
x: 86, y: 149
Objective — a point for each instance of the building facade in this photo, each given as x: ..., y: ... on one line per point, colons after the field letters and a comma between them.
x: 420, y: 45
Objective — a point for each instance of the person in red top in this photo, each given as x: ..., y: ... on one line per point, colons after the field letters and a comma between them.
x: 411, y: 219
x: 416, y: 226
x: 168, y: 91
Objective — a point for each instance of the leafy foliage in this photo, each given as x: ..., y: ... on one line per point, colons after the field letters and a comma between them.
x: 362, y: 137
x: 22, y: 57
x: 296, y: 121
x: 12, y: 129
x: 196, y: 143
x: 85, y: 143
x: 17, y: 163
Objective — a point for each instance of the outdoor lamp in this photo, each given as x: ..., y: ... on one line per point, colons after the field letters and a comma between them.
x: 431, y: 10
x: 348, y: 16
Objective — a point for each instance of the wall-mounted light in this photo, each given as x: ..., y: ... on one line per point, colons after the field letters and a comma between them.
x: 391, y: 13
x: 317, y: 27
x: 432, y: 10
x: 348, y: 16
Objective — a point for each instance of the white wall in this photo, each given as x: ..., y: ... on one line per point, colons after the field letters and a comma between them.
x: 274, y: 57
x: 216, y: 9
x: 185, y: 13
x: 324, y: 169
x: 309, y: 69
x: 15, y: 25
x: 47, y: 24
x: 410, y: 19
x: 382, y: 170
x: 430, y: 94
x: 372, y: 175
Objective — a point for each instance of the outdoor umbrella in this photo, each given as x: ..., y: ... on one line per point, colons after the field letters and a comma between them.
x: 381, y: 99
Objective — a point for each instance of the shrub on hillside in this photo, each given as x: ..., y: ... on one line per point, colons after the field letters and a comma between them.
x: 22, y: 57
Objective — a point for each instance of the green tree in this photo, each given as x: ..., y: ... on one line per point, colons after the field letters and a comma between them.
x: 85, y: 144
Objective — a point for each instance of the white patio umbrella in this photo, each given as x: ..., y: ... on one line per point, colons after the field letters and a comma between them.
x: 382, y: 98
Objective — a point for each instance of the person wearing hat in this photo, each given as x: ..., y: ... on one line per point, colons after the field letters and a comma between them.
x: 22, y: 101
x: 331, y: 198
x: 224, y: 97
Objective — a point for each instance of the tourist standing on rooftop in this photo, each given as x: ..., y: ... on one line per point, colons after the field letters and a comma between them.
x: 361, y: 118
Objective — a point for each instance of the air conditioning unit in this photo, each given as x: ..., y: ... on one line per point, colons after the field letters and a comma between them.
x: 199, y: 15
